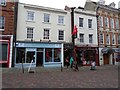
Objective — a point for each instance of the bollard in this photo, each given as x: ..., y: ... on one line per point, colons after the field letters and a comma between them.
x: 61, y: 67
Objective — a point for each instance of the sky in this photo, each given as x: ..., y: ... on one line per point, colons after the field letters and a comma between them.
x: 60, y: 4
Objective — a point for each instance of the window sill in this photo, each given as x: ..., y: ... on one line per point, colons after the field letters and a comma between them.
x: 61, y: 24
x: 1, y: 29
x: 30, y: 21
x: 46, y: 22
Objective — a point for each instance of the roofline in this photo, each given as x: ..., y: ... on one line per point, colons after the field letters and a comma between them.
x: 43, y: 8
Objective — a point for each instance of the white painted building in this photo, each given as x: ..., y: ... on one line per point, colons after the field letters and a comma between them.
x: 86, y: 23
x: 86, y: 43
x: 41, y: 33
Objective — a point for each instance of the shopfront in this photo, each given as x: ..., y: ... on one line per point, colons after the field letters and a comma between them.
x: 6, y: 45
x: 85, y: 54
x: 43, y: 54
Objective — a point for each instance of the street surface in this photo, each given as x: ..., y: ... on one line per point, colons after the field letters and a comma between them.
x: 105, y: 76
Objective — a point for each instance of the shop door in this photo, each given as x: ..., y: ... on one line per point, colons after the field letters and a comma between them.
x: 106, y: 59
x: 39, y: 61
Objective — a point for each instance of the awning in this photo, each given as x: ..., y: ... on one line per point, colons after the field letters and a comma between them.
x: 117, y: 50
x: 107, y: 50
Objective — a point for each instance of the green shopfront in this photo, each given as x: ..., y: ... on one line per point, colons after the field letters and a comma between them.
x: 44, y: 54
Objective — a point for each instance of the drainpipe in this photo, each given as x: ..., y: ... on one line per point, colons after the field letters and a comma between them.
x: 97, y: 17
x: 72, y: 23
x: 15, y: 28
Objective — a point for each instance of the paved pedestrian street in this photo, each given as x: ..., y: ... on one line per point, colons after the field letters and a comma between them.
x: 105, y: 76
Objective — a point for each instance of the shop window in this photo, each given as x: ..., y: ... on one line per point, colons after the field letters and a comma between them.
x: 4, y: 52
x: 48, y: 55
x: 30, y: 56
x: 89, y: 55
x: 20, y: 56
x: 57, y: 55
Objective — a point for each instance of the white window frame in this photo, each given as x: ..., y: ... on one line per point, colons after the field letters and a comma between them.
x: 60, y: 19
x: 112, y: 22
x: 89, y: 23
x: 118, y: 38
x: 30, y: 16
x: 2, y: 2
x: 101, y: 21
x: 81, y: 38
x: 2, y: 22
x: 101, y: 38
x: 90, y: 38
x: 61, y: 36
x: 81, y: 22
x: 113, y: 39
x: 30, y: 31
x: 106, y: 21
x: 46, y: 34
x: 107, y: 39
x: 117, y: 23
x: 46, y: 17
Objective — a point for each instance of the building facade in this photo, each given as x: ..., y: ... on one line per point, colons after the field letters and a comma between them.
x: 108, y: 23
x: 85, y: 39
x: 7, y: 31
x: 41, y: 35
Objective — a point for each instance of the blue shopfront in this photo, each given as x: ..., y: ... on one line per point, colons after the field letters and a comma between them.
x: 42, y: 53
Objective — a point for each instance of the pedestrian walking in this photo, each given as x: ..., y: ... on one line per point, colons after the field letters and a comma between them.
x: 67, y: 62
x: 75, y: 66
x: 71, y: 62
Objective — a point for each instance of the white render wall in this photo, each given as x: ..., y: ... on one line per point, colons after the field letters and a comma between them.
x: 85, y: 30
x: 39, y: 23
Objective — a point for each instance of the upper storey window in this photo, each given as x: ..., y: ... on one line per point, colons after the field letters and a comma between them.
x: 30, y: 16
x: 2, y: 23
x: 46, y: 17
x: 3, y: 2
x: 61, y: 19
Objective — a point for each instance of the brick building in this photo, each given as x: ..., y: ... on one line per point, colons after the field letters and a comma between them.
x: 7, y: 31
x: 108, y: 23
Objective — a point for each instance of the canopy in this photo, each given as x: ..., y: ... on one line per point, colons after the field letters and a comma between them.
x: 107, y: 50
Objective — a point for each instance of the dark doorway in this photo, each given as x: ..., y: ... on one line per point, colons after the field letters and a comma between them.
x: 39, y: 60
x: 106, y: 59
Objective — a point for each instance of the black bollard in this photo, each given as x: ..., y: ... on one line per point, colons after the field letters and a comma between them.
x: 61, y: 67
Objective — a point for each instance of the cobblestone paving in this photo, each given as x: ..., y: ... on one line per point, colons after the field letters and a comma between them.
x: 103, y: 77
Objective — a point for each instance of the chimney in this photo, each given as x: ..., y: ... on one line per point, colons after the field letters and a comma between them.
x: 101, y: 2
x: 112, y: 5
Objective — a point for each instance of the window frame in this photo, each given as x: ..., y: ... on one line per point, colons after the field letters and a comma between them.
x: 30, y: 33
x: 46, y: 35
x: 89, y: 23
x: 60, y: 19
x: 81, y: 38
x: 1, y: 3
x: 61, y: 37
x: 2, y: 22
x: 90, y: 38
x: 46, y: 18
x: 101, y: 38
x: 30, y: 15
x: 81, y: 22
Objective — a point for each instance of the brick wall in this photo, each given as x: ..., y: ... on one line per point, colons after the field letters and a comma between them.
x: 8, y: 13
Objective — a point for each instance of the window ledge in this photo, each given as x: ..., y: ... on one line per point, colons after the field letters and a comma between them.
x: 61, y: 24
x: 46, y: 22
x: 30, y: 21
